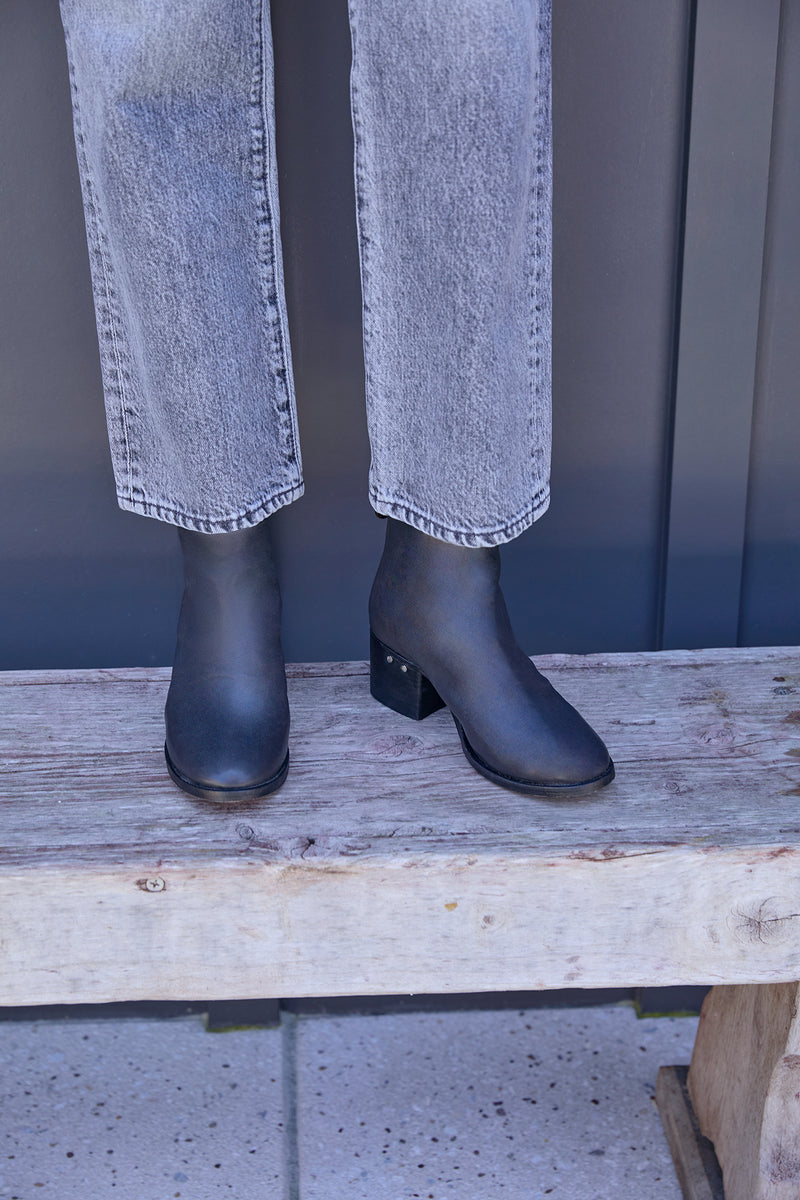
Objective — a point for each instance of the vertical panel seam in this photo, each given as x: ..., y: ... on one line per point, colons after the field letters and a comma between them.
x: 677, y: 283
x: 761, y: 332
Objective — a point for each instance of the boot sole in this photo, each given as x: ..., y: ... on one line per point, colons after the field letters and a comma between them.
x: 222, y: 795
x: 400, y: 685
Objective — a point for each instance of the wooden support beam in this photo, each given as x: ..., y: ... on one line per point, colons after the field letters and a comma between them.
x: 693, y: 1155
x: 744, y: 1082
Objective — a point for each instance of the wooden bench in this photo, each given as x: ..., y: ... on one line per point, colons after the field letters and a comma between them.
x: 386, y: 865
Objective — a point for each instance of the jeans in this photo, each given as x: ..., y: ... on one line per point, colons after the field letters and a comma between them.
x: 174, y: 127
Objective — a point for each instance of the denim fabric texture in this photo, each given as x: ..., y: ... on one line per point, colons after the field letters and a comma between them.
x: 174, y: 128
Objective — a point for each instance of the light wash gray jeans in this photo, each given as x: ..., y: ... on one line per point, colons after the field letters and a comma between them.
x: 174, y: 127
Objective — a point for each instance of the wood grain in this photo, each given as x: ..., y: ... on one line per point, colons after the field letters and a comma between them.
x: 696, y: 1165
x: 385, y: 864
x: 744, y: 1082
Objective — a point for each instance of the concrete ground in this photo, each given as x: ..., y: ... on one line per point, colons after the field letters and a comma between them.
x: 409, y: 1106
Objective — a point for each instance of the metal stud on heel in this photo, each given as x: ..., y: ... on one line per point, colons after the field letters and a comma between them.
x: 400, y: 685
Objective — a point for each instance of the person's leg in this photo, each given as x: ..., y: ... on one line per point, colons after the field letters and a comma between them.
x: 174, y: 128
x: 173, y: 112
x: 451, y: 113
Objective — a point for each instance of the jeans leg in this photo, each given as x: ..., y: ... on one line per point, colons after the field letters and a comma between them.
x: 451, y: 113
x: 174, y: 128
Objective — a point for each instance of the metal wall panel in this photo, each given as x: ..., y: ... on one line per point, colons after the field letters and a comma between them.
x: 590, y: 571
x: 728, y: 176
x: 771, y: 578
x: 82, y: 583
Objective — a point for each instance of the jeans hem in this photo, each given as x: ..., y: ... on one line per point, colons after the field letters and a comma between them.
x: 243, y: 519
x: 496, y: 536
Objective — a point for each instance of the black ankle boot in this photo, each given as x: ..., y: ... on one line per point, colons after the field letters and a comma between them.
x: 227, y: 713
x: 441, y: 636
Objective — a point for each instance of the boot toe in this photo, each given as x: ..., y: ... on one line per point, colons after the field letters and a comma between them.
x: 544, y: 747
x: 226, y: 753
x: 227, y: 782
x: 541, y: 775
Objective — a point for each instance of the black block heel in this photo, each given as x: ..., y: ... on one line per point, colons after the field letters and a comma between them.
x: 400, y: 685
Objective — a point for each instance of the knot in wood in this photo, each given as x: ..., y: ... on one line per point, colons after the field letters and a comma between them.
x: 762, y: 925
x: 718, y: 736
x: 398, y: 746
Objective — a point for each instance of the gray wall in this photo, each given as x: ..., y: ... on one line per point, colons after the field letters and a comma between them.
x: 676, y: 492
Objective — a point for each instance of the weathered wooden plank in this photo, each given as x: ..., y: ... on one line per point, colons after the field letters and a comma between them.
x: 290, y: 921
x: 744, y: 1082
x: 707, y: 748
x: 94, y: 675
x: 693, y: 1155
x: 685, y: 870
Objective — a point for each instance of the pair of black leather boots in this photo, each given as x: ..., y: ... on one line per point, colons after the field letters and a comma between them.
x: 440, y: 635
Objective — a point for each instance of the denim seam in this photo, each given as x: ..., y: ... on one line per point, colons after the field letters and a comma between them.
x: 267, y: 247
x: 361, y: 204
x: 540, y: 230
x: 403, y: 510
x: 96, y: 237
x: 202, y: 523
